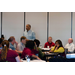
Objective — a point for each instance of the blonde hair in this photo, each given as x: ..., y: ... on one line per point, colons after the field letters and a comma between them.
x: 50, y: 37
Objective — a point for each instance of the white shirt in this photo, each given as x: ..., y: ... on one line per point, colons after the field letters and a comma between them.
x: 70, y: 47
x: 21, y: 46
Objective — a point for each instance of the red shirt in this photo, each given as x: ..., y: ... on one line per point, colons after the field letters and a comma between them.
x: 11, y: 54
x: 49, y: 44
x: 29, y: 52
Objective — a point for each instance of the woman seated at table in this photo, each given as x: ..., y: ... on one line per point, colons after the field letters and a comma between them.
x: 37, y: 42
x: 29, y: 50
x: 58, y: 48
x: 8, y: 55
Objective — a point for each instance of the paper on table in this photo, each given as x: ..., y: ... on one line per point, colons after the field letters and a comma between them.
x: 33, y: 60
x: 46, y: 48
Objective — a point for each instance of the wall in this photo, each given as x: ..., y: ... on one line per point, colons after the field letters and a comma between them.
x: 60, y: 26
x: 73, y: 28
x: 13, y: 24
x: 38, y: 21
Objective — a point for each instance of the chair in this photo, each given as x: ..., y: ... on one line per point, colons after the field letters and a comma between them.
x: 74, y: 50
x: 66, y: 51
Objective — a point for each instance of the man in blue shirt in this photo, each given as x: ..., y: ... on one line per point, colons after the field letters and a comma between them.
x: 12, y: 42
x: 29, y: 34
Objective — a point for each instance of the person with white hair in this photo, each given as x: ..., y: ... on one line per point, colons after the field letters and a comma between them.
x: 70, y: 45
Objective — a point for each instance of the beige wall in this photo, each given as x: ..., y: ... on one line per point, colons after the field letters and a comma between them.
x: 38, y: 21
x: 13, y: 24
x: 73, y: 31
x: 60, y: 26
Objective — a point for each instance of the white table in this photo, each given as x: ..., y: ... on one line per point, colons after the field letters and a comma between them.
x: 33, y: 60
x: 46, y: 49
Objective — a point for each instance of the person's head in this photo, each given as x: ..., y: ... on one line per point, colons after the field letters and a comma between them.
x: 30, y: 44
x: 1, y: 42
x: 50, y: 39
x: 12, y: 39
x: 70, y: 40
x: 37, y: 42
x: 2, y: 36
x: 58, y: 43
x: 5, y: 47
x: 23, y: 39
x: 28, y: 27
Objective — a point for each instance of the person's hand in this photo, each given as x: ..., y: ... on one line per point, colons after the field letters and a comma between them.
x: 35, y: 44
x: 43, y: 52
x: 10, y: 49
x: 56, y: 48
x: 50, y: 51
x: 38, y: 58
x: 16, y: 42
x: 68, y: 50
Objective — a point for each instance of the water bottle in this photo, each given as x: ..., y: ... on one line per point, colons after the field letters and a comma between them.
x: 28, y: 58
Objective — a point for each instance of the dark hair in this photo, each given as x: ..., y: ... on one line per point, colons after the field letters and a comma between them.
x: 1, y: 41
x: 2, y: 36
x: 22, y: 38
x: 30, y: 44
x: 60, y: 43
x: 37, y: 42
x: 5, y: 45
x: 11, y: 39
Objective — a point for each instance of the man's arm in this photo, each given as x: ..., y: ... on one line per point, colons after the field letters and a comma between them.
x: 19, y: 50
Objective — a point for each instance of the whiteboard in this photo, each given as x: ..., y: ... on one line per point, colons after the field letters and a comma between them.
x: 60, y: 26
x: 73, y: 28
x: 13, y: 24
x: 38, y: 22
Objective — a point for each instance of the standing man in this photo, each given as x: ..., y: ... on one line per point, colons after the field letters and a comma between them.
x: 70, y: 45
x: 29, y: 34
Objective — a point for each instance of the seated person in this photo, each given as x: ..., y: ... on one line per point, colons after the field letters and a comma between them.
x: 37, y: 42
x: 58, y: 48
x: 21, y: 45
x: 49, y: 43
x: 12, y: 42
x: 8, y: 55
x: 1, y: 44
x: 70, y: 45
x: 29, y: 50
